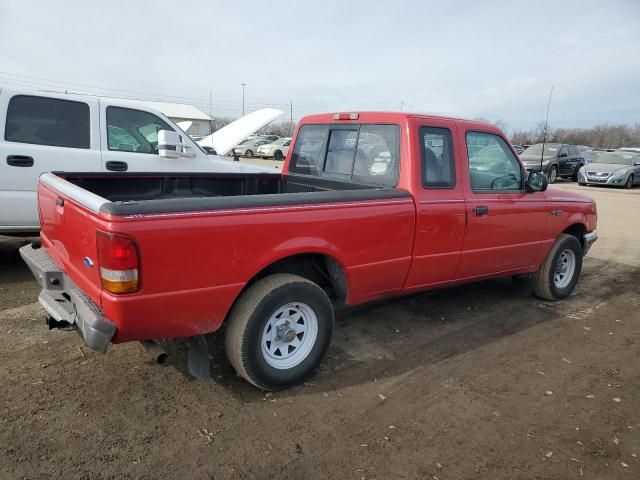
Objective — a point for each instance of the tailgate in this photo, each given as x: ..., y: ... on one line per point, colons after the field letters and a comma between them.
x: 68, y: 233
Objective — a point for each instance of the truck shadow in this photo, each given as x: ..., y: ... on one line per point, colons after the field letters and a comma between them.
x: 15, y: 277
x: 390, y: 338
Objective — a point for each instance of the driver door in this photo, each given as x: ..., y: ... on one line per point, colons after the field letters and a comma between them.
x: 505, y: 225
x: 130, y: 143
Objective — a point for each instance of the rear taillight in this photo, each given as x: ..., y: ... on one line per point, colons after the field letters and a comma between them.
x: 119, y: 263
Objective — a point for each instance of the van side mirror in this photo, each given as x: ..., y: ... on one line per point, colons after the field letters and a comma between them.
x: 170, y: 145
x: 536, y: 182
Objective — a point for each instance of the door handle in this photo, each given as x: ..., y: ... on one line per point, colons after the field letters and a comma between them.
x: 482, y: 211
x: 20, y: 161
x: 115, y: 166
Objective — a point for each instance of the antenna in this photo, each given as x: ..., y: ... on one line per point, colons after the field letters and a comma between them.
x: 546, y: 124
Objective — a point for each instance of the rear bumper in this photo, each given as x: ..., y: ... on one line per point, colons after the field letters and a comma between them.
x: 65, y: 303
x: 589, y: 239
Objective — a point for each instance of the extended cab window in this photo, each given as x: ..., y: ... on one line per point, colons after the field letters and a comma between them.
x: 492, y: 165
x: 364, y: 153
x: 47, y: 121
x: 130, y: 130
x: 438, y: 167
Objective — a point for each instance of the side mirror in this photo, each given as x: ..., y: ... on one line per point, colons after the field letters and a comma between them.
x: 170, y: 145
x: 536, y: 182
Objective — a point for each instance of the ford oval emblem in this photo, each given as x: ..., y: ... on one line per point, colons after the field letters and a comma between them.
x: 88, y: 262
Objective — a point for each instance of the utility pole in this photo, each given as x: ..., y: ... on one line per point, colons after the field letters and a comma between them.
x: 243, y: 85
x: 290, y: 117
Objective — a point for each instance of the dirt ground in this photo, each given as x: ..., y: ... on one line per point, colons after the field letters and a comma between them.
x: 474, y: 382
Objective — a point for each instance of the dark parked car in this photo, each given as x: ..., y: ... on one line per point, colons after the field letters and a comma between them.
x: 558, y: 160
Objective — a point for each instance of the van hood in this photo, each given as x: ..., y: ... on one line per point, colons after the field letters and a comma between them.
x: 231, y: 135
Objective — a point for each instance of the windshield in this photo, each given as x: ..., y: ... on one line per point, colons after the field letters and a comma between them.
x: 616, y: 159
x: 550, y: 150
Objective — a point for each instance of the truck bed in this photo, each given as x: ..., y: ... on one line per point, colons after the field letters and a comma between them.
x: 135, y: 193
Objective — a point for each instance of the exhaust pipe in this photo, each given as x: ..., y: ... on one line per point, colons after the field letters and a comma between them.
x: 158, y: 355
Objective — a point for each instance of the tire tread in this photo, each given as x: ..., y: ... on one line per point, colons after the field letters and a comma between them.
x: 240, y: 316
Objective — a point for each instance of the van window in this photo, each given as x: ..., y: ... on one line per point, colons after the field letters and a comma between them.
x: 47, y: 121
x: 131, y: 130
x: 364, y: 153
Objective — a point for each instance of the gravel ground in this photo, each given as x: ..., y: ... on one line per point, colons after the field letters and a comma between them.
x: 478, y: 381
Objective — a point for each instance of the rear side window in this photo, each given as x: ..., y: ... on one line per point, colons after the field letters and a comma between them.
x: 47, y: 121
x: 364, y: 153
x: 130, y: 130
x: 438, y: 167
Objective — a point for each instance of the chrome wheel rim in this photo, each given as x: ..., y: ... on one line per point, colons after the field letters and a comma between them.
x: 289, y: 335
x: 564, y: 269
x: 553, y: 174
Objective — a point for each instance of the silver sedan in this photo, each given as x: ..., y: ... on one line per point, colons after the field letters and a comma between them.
x: 617, y: 169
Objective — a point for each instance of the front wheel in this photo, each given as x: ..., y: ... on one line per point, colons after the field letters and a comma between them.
x: 277, y: 155
x: 248, y: 154
x: 629, y: 183
x: 558, y: 275
x: 279, y: 330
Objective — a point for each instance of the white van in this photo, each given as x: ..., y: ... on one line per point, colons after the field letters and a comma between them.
x: 42, y: 132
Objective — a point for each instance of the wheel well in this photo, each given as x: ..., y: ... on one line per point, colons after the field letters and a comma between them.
x: 577, y: 230
x: 321, y: 269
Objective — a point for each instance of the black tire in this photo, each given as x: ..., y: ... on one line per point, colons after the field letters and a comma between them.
x: 574, y: 177
x: 553, y: 174
x: 582, y: 184
x: 544, y: 285
x: 277, y: 155
x: 248, y: 154
x: 629, y: 183
x: 250, y: 315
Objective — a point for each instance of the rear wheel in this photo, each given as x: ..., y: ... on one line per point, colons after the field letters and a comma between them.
x: 277, y: 155
x: 553, y: 174
x: 279, y: 330
x: 559, y: 273
x: 629, y: 183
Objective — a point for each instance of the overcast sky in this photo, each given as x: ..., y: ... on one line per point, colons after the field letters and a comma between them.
x: 492, y: 59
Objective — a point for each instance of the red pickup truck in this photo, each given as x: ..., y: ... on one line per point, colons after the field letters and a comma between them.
x: 368, y: 205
